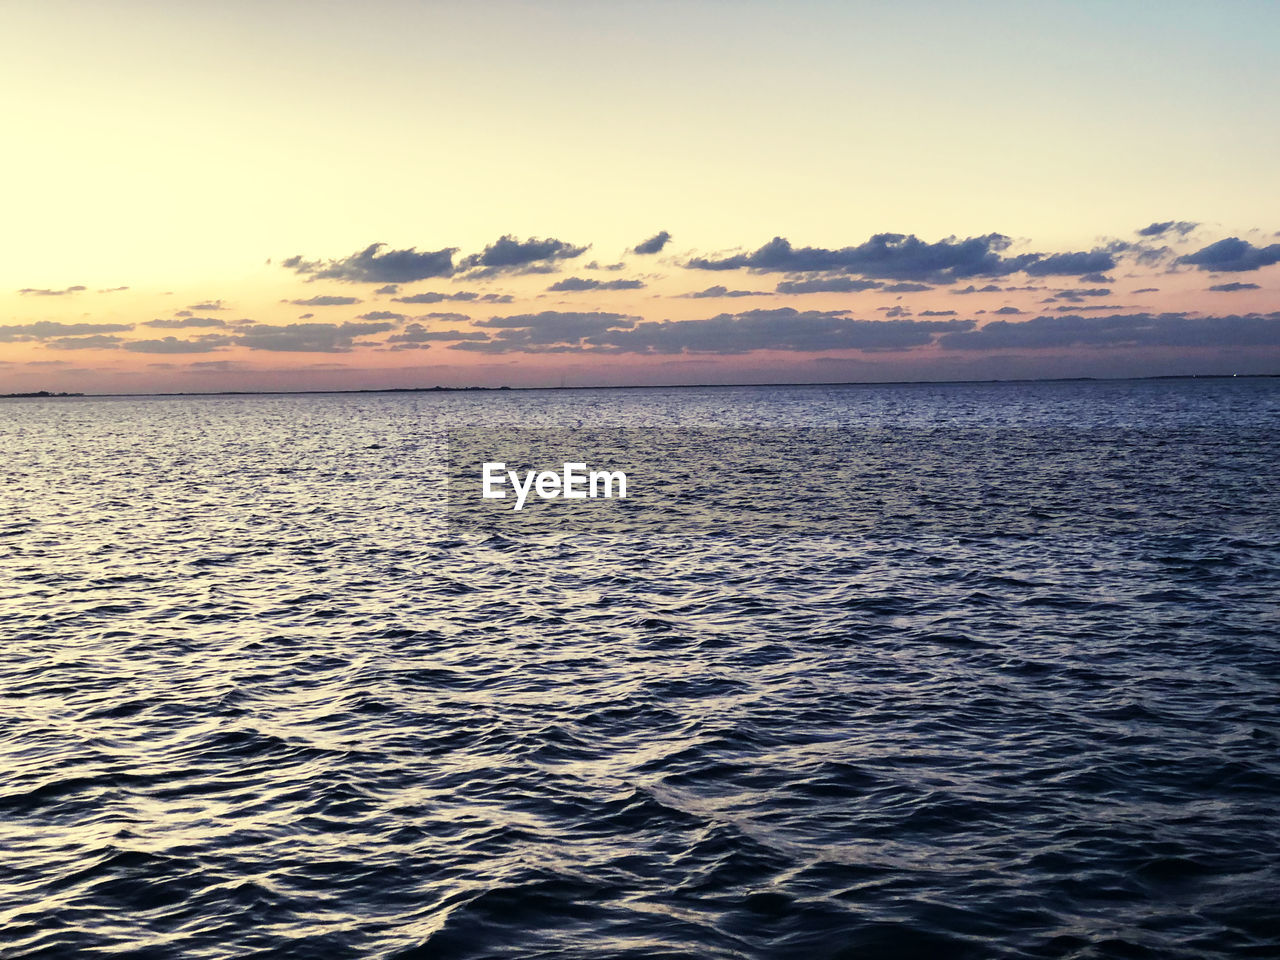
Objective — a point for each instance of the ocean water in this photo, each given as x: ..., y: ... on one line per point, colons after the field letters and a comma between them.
x: 260, y: 698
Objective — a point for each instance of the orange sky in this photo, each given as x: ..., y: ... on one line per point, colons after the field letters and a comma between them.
x: 185, y: 154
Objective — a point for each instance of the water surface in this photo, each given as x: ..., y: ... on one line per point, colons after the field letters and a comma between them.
x: 258, y: 699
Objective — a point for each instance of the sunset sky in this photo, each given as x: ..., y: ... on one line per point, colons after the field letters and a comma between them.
x: 323, y: 195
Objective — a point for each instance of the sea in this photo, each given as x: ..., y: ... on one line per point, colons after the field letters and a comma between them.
x: 262, y: 696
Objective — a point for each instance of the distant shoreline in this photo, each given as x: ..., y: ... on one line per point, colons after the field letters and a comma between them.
x: 38, y: 395
x: 48, y: 395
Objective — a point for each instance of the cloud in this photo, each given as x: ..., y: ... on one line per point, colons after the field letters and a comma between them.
x: 654, y: 244
x: 553, y: 326
x: 579, y: 283
x: 448, y: 317
x: 1007, y: 310
x: 1079, y: 295
x: 888, y: 255
x: 417, y: 333
x: 371, y: 266
x: 780, y: 329
x: 207, y: 305
x: 382, y: 315
x: 726, y: 334
x: 462, y: 295
x: 906, y: 287
x: 388, y: 289
x: 308, y: 337
x: 1095, y: 278
x: 937, y: 313
x: 50, y: 329
x: 178, y: 323
x: 1160, y: 228
x: 830, y: 285
x: 113, y: 289
x: 1233, y: 287
x: 1077, y: 308
x: 97, y: 341
x: 45, y: 292
x: 1121, y: 330
x: 509, y: 255
x: 202, y: 344
x: 1233, y: 255
x: 897, y: 256
x: 719, y: 290
x: 1147, y: 290
x: 1069, y: 264
x: 326, y: 301
x: 1147, y: 255
x: 989, y: 288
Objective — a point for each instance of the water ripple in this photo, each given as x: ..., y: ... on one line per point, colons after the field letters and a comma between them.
x: 258, y: 700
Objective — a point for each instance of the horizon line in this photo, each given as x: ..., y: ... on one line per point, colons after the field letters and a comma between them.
x: 63, y: 395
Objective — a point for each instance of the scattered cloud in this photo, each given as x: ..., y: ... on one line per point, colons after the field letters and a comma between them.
x: 719, y: 290
x: 554, y: 326
x: 371, y: 266
x: 207, y: 306
x: 1080, y: 308
x: 201, y: 344
x: 897, y: 256
x: 326, y: 301
x: 308, y: 337
x: 417, y: 333
x: 1070, y: 264
x: 1078, y: 294
x: 1160, y: 228
x: 831, y: 285
x: 382, y: 315
x: 460, y: 295
x: 97, y: 341
x: 780, y: 329
x: 509, y: 255
x: 46, y: 292
x: 178, y: 323
x: 784, y: 329
x: 573, y: 284
x: 1120, y: 330
x: 52, y: 329
x: 1233, y: 287
x: 654, y: 244
x: 1233, y: 255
